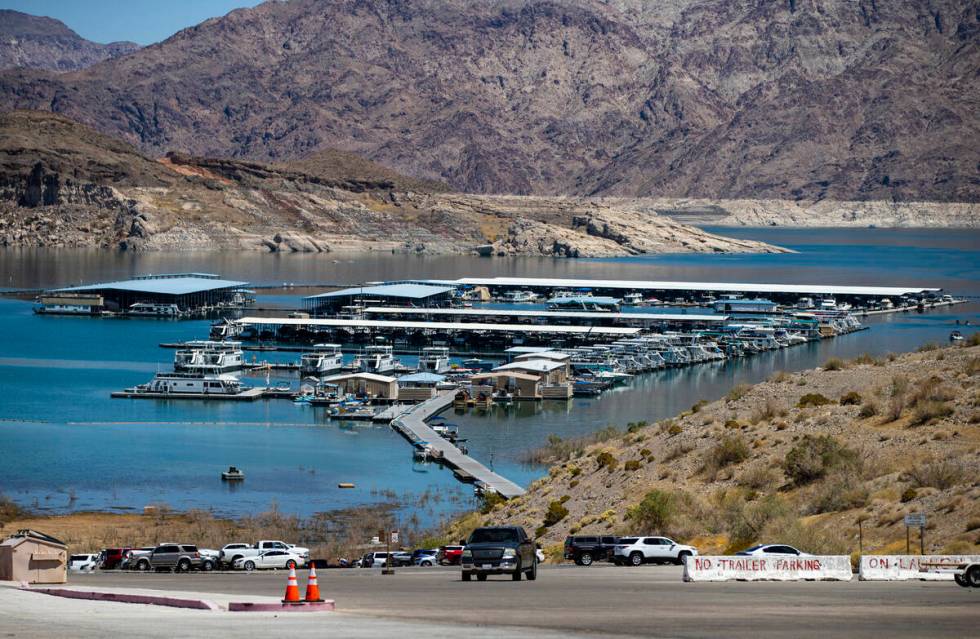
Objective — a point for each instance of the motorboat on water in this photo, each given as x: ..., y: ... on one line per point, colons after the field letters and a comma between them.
x: 956, y: 336
x: 149, y: 309
x: 325, y: 359
x: 233, y: 474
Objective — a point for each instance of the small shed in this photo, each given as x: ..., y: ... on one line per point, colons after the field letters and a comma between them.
x: 366, y: 384
x: 33, y: 557
x: 520, y: 385
x: 418, y: 387
x: 547, y: 370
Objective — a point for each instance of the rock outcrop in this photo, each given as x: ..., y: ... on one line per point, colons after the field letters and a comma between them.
x: 34, y: 42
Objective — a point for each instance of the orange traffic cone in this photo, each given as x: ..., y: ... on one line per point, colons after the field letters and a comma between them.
x: 292, y: 588
x: 312, y: 589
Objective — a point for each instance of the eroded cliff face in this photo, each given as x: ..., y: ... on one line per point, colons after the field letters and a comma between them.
x: 35, y: 42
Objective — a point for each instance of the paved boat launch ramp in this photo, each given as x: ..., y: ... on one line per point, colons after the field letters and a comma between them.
x: 412, y: 424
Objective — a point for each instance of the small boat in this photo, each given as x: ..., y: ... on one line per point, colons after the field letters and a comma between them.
x: 956, y: 336
x: 232, y: 474
x: 345, y: 485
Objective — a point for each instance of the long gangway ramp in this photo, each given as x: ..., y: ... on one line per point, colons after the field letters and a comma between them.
x: 412, y: 424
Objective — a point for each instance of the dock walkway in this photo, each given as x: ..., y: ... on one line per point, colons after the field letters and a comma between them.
x: 412, y: 424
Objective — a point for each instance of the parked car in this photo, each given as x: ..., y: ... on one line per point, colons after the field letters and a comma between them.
x: 773, y: 550
x: 112, y: 557
x: 635, y: 551
x: 400, y: 558
x: 270, y: 559
x: 499, y: 550
x: 176, y: 557
x: 374, y: 560
x: 585, y: 549
x: 131, y: 560
x: 210, y: 559
x: 449, y: 555
x: 425, y: 557
x: 230, y: 553
x: 84, y: 563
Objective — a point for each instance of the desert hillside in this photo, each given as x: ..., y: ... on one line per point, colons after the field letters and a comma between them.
x: 799, y: 459
x: 35, y: 42
x: 63, y: 184
x: 799, y: 100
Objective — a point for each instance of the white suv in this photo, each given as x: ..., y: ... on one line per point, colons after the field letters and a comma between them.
x: 634, y: 551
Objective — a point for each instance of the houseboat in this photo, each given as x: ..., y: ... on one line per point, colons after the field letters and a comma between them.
x: 376, y: 359
x: 209, y: 357
x: 192, y: 384
x: 434, y: 359
x: 149, y: 309
x: 324, y: 360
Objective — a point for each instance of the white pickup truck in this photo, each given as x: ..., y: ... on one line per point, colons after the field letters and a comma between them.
x: 232, y: 552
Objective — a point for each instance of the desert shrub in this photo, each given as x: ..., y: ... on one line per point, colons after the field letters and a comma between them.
x: 737, y: 392
x: 654, y: 512
x: 631, y: 466
x: 813, y: 457
x: 574, y: 471
x: 932, y: 389
x: 678, y: 451
x: 813, y: 399
x: 540, y: 531
x: 731, y: 449
x: 555, y: 513
x: 973, y: 364
x: 10, y: 511
x: 908, y: 495
x: 973, y: 524
x: 940, y: 473
x: 745, y: 520
x: 674, y: 429
x: 812, y: 539
x: 564, y: 498
x: 645, y: 453
x: 573, y: 483
x: 865, y: 358
x: 733, y: 424
x: 898, y: 397
x: 758, y: 477
x: 927, y: 347
x: 834, y: 364
x: 779, y: 377
x: 632, y: 427
x: 559, y: 449
x: 868, y: 409
x: 698, y: 406
x: 837, y: 493
x: 607, y: 460
x: 928, y: 411
x: 491, y: 499
x: 852, y: 398
x: 767, y: 412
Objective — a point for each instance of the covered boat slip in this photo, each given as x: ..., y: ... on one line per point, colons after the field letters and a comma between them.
x: 350, y: 330
x: 535, y: 316
x: 700, y: 288
x: 186, y: 290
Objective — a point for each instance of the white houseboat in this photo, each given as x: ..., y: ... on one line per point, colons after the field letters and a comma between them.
x: 434, y: 359
x: 191, y: 384
x: 376, y: 359
x: 325, y: 359
x: 206, y: 357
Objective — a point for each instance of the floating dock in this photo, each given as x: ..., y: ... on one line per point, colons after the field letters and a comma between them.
x: 412, y: 424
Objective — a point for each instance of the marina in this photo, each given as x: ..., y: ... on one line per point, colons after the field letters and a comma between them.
x: 273, y: 438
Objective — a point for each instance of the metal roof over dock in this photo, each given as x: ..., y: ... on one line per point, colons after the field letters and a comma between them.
x: 176, y: 284
x: 439, y: 326
x: 652, y: 285
x: 410, y: 291
x: 536, y: 313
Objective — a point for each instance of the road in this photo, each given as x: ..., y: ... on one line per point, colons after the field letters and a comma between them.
x: 609, y: 600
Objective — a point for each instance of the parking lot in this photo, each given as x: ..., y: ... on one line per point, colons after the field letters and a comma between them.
x: 604, y: 599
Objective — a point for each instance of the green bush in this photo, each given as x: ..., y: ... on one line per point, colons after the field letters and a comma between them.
x: 555, y: 513
x: 605, y: 459
x: 851, y: 399
x: 574, y: 471
x: 646, y: 452
x: 491, y: 499
x: 835, y: 494
x: 941, y: 474
x: 573, y: 483
x: 540, y: 531
x: 698, y: 406
x: 813, y: 457
x: 813, y: 400
x: 674, y: 429
x: 654, y: 512
x: 909, y: 494
x: 929, y: 411
x: 631, y: 465
x: 731, y: 449
x: 632, y: 427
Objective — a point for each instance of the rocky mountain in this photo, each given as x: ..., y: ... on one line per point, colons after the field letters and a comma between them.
x: 36, y: 42
x: 789, y: 99
x: 63, y: 184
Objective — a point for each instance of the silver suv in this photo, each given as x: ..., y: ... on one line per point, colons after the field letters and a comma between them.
x: 176, y: 557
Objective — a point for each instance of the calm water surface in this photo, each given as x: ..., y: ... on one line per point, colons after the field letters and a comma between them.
x: 65, y: 445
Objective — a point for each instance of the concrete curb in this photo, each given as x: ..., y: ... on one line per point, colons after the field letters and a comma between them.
x: 172, y: 602
x: 318, y: 606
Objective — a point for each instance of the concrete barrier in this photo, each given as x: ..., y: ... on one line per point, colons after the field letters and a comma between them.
x: 789, y: 568
x: 906, y: 567
x: 120, y: 597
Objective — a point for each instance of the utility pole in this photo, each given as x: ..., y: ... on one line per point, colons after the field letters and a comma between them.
x: 922, y: 540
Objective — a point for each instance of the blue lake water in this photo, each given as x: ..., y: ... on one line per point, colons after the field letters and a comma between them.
x: 65, y: 445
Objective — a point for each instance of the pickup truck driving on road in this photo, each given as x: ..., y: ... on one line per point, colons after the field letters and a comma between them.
x: 233, y: 552
x: 497, y: 551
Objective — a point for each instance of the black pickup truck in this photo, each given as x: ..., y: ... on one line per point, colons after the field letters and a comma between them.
x: 497, y: 551
x: 583, y: 550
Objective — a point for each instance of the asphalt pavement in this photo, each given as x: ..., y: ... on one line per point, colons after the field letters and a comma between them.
x: 652, y: 601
